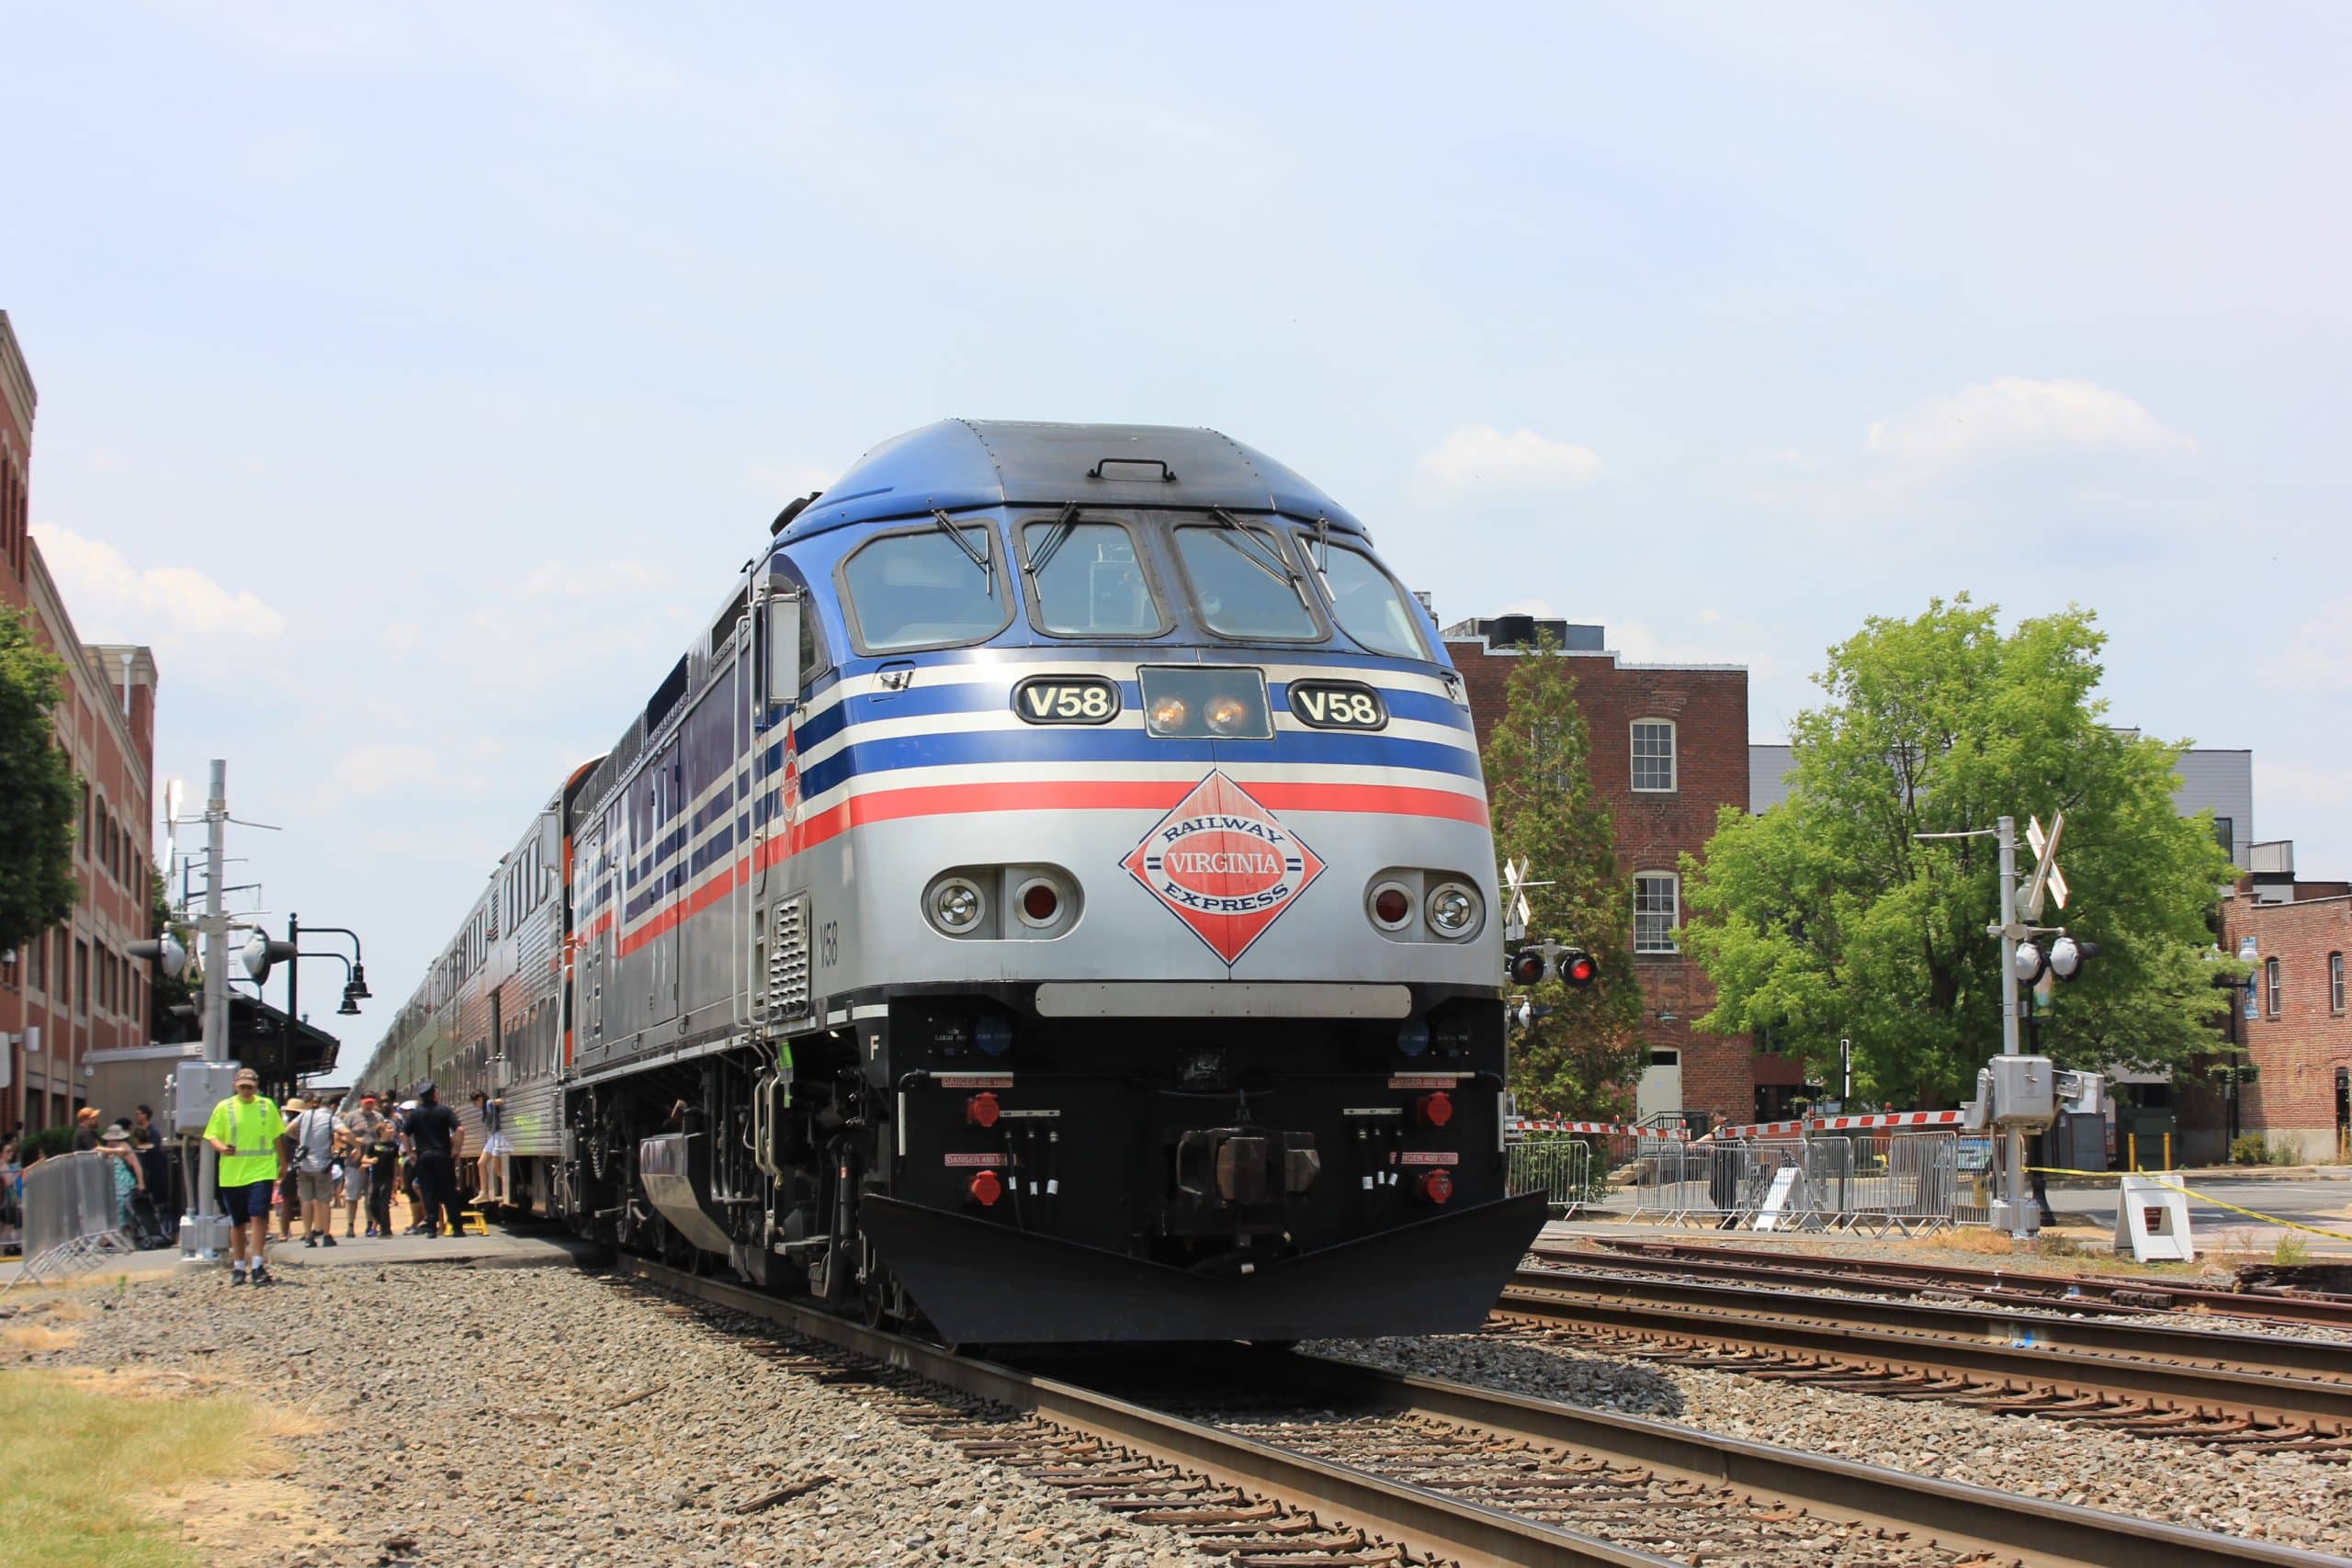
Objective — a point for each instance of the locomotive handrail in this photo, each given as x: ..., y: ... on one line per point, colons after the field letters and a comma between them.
x: 1167, y: 474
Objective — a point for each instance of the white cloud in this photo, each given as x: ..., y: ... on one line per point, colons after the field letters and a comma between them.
x: 2318, y: 658
x: 386, y: 767
x: 1518, y: 459
x: 399, y: 637
x: 109, y: 600
x: 2291, y: 784
x: 565, y: 580
x: 2014, y: 416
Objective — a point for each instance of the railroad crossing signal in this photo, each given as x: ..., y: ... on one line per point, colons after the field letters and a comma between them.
x: 1516, y: 914
x: 2047, y: 878
x: 1572, y: 966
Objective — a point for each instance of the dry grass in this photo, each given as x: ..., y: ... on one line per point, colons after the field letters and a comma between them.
x: 86, y: 1454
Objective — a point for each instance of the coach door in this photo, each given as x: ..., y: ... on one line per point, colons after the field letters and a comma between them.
x: 665, y: 849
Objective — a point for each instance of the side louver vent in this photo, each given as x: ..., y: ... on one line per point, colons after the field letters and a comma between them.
x: 788, y: 961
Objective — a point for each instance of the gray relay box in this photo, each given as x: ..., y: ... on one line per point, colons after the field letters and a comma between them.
x: 2024, y: 1092
x: 193, y: 1089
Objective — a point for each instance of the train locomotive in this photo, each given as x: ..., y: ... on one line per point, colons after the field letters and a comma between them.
x: 1052, y: 901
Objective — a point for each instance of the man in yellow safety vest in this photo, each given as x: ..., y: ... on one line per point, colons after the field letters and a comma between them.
x: 244, y: 1128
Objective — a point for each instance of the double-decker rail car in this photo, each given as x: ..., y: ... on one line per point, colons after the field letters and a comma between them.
x: 1053, y: 901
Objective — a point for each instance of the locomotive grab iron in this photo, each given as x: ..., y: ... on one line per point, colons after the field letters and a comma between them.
x: 1053, y: 902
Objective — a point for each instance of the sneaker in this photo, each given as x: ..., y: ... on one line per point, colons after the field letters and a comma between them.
x: 309, y: 1241
x: 236, y: 1276
x: 327, y: 1240
x: 263, y: 1276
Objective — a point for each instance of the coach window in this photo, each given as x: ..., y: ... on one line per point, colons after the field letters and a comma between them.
x: 935, y: 586
x: 1656, y: 911
x: 1087, y: 579
x: 1654, y: 756
x: 1243, y: 584
x: 1368, y: 605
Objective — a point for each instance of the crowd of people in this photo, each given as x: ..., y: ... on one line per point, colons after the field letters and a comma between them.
x: 302, y: 1162
x: 307, y: 1159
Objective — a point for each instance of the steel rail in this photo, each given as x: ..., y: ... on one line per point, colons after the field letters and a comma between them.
x: 1959, y: 1516
x: 2118, y: 1294
x: 1421, y: 1520
x: 2086, y: 1357
x: 1955, y: 1514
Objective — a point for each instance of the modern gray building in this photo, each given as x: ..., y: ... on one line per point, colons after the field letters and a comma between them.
x: 2219, y: 781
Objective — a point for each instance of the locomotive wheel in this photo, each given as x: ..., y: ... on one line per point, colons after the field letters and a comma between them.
x: 874, y: 1299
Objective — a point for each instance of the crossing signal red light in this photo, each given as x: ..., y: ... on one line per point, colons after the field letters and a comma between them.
x: 1577, y: 969
x: 1526, y: 967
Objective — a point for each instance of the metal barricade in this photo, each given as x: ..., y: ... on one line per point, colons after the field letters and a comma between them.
x: 1563, y: 1169
x: 1788, y: 1184
x: 1679, y: 1182
x: 72, y: 1217
x: 1899, y: 1181
x: 1973, y: 1181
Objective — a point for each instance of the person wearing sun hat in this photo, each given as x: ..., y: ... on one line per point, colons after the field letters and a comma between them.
x: 244, y: 1130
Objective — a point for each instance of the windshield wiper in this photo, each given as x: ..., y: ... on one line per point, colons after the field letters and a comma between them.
x: 1255, y: 549
x: 984, y: 560
x: 1056, y: 537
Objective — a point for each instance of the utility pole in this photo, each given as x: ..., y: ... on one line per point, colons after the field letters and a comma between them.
x: 205, y: 1232
x: 2013, y: 1141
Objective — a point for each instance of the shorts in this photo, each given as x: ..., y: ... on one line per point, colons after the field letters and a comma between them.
x: 250, y: 1201
x: 315, y: 1186
x: 498, y: 1144
x: 355, y: 1183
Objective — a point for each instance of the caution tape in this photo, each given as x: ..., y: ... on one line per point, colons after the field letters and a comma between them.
x: 2201, y: 1197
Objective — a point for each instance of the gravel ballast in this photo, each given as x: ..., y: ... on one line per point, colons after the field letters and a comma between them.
x: 546, y: 1417
x: 2279, y: 1497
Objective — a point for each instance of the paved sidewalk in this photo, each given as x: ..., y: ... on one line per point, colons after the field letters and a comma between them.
x: 502, y: 1248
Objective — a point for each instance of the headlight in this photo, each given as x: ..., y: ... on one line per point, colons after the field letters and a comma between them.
x: 957, y: 906
x: 1226, y: 715
x: 1453, y: 909
x: 1169, y: 713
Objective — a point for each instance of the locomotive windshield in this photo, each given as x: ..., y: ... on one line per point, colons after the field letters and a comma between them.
x: 1088, y: 582
x: 930, y: 588
x: 1243, y: 584
x: 1369, y: 605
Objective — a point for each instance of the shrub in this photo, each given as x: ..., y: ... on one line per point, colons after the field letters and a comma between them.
x: 45, y: 1142
x: 2248, y: 1150
x: 2291, y: 1252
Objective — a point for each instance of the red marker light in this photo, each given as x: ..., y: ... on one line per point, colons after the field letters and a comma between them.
x: 986, y: 1189
x: 1434, y: 1109
x: 1436, y: 1187
x: 1041, y: 903
x: 1389, y: 906
x: 981, y: 1109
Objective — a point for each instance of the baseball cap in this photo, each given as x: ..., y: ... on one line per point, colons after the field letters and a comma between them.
x: 427, y: 1087
x: 246, y: 1075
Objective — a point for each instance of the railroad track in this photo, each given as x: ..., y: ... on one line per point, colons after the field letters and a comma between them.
x: 2117, y: 1296
x: 1271, y: 1457
x: 2252, y: 1392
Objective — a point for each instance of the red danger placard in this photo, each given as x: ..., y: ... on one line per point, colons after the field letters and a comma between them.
x: 975, y: 1080
x: 1426, y: 1080
x: 1429, y: 1157
x: 955, y: 1161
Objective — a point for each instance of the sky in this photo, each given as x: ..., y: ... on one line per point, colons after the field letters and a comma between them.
x: 415, y: 379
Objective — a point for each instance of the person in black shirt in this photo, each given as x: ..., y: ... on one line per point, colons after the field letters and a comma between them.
x: 382, y: 1153
x: 436, y: 1135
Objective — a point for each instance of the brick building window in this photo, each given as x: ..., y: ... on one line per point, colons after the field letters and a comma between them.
x: 82, y: 977
x: 1653, y: 755
x: 2272, y: 989
x: 2336, y: 982
x: 1656, y: 911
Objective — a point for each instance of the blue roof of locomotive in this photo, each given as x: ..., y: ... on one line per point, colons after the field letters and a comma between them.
x: 961, y: 463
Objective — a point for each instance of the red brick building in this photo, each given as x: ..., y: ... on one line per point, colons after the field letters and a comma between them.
x: 71, y: 991
x: 2295, y: 1028
x: 1669, y: 751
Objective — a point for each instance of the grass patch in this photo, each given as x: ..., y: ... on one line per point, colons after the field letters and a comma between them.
x: 83, y: 1460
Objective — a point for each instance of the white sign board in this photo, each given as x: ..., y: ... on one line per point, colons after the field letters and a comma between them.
x: 2152, y: 1223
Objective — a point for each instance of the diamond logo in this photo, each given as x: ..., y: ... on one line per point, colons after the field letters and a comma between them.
x: 1223, y: 864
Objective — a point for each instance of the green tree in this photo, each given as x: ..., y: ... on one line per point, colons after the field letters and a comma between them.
x: 1582, y: 1057
x: 38, y: 789
x: 1827, y: 915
